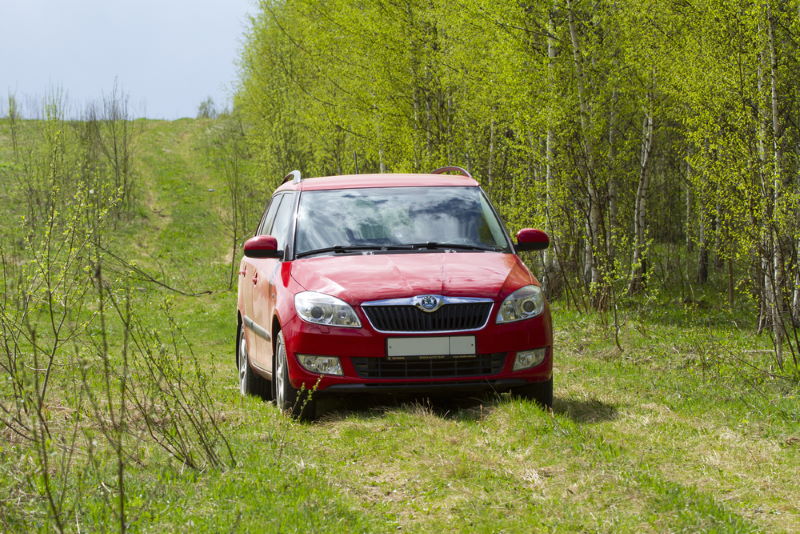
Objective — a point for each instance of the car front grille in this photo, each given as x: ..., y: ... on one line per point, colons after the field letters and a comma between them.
x: 448, y: 318
x: 430, y: 367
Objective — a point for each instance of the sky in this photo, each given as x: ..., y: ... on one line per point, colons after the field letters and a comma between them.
x: 166, y: 55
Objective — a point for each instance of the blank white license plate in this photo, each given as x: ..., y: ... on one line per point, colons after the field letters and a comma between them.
x: 430, y: 346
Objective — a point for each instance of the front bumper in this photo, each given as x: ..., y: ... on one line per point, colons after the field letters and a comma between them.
x: 348, y: 343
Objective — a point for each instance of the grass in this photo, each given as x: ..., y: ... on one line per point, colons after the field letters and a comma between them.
x: 676, y: 433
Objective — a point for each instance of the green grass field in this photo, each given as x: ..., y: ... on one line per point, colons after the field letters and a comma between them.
x: 676, y: 433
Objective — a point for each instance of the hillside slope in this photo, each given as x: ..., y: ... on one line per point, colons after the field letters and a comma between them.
x: 668, y: 435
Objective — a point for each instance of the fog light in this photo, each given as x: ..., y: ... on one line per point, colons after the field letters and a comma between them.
x: 323, y: 365
x: 529, y: 358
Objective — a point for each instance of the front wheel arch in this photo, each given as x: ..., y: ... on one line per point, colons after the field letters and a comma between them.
x: 299, y: 403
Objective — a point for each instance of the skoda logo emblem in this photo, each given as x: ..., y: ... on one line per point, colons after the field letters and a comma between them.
x: 428, y: 303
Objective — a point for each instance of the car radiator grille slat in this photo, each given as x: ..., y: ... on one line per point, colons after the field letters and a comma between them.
x: 450, y: 317
x: 421, y: 367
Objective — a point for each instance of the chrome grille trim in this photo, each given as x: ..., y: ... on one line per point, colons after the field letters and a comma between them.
x: 411, y: 304
x: 411, y: 301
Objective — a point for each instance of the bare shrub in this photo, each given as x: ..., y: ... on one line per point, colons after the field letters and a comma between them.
x: 88, y: 378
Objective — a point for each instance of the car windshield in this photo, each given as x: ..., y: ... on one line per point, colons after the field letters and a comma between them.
x: 401, y: 217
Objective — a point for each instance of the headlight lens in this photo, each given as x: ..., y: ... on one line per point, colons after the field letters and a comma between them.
x: 524, y: 303
x: 319, y: 308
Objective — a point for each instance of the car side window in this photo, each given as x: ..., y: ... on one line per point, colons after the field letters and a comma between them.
x: 269, y: 216
x: 283, y: 219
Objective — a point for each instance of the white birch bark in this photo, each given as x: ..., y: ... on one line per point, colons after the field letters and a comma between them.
x: 777, y: 190
x: 640, y: 207
x: 595, y: 231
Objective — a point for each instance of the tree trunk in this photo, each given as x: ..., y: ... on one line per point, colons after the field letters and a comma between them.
x: 490, y: 163
x: 796, y: 296
x: 688, y: 225
x: 595, y: 233
x: 731, y: 283
x: 13, y: 122
x: 550, y: 258
x: 638, y: 264
x: 611, y: 236
x: 777, y: 188
x: 702, y: 249
x: 765, y: 248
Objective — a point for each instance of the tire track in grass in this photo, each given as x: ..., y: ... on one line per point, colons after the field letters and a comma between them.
x: 591, y: 467
x: 513, y: 469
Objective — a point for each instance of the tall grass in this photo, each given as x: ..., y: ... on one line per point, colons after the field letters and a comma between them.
x: 88, y: 382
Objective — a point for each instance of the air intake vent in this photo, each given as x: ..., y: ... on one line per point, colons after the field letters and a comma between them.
x: 420, y: 367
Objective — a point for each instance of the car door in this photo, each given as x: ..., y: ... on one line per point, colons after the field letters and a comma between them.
x: 266, y: 270
x: 249, y: 280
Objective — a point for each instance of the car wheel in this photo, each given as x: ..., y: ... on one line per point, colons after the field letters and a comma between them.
x: 299, y: 403
x: 250, y: 383
x: 540, y: 392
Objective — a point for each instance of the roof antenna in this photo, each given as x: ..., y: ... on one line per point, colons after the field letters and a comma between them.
x: 355, y: 158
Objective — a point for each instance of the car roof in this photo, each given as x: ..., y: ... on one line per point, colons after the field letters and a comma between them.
x: 353, y: 181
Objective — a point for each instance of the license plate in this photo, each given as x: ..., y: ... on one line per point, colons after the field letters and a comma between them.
x: 400, y: 347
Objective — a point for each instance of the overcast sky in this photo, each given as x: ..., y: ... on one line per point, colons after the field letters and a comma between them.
x: 167, y: 55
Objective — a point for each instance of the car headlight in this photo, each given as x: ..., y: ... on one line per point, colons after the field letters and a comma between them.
x: 319, y: 308
x: 524, y: 303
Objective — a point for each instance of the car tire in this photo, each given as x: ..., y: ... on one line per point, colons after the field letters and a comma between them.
x: 299, y: 403
x: 540, y: 392
x: 250, y: 382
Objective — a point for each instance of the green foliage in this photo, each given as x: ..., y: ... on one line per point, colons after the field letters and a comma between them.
x: 548, y: 105
x: 207, y: 109
x: 86, y: 381
x: 690, y: 428
x: 225, y: 148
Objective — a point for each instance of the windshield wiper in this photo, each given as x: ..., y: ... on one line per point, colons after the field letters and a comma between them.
x: 352, y: 248
x: 343, y: 249
x: 454, y: 246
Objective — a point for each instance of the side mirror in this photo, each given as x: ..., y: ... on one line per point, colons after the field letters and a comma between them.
x: 532, y: 239
x: 262, y: 246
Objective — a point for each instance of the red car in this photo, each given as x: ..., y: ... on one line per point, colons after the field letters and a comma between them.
x: 395, y: 283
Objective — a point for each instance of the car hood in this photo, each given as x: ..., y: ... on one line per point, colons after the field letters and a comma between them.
x: 359, y: 278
